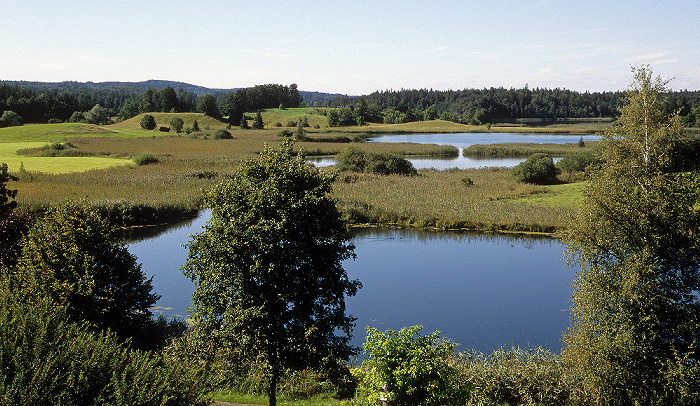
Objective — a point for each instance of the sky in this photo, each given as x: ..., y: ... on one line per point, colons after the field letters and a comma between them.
x: 354, y: 47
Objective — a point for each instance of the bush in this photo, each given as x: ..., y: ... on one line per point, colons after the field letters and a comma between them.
x: 538, y: 169
x: 222, y: 134
x: 577, y: 162
x: 176, y: 123
x: 407, y: 369
x: 55, y: 121
x: 46, y: 360
x: 145, y: 158
x: 355, y: 160
x: 10, y: 119
x: 285, y: 133
x: 277, y: 124
x: 148, y: 122
x: 291, y: 123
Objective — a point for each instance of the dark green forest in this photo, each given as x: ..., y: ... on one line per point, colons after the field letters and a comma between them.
x: 40, y: 102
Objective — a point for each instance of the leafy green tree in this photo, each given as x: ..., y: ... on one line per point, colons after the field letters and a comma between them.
x: 10, y: 119
x: 635, y: 331
x: 176, y: 123
x: 406, y: 368
x: 96, y: 115
x: 258, y: 122
x: 207, y: 105
x: 73, y: 256
x: 148, y: 122
x: 537, y: 168
x: 77, y: 117
x: 268, y: 269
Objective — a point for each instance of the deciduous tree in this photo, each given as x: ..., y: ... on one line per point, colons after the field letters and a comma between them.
x: 635, y: 332
x: 268, y: 267
x: 73, y: 256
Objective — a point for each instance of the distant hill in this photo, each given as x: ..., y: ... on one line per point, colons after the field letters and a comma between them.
x: 310, y: 98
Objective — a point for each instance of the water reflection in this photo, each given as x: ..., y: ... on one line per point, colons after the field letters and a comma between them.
x: 482, y: 290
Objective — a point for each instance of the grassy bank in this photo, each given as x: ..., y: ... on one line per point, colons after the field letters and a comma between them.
x: 187, y: 164
x: 527, y: 149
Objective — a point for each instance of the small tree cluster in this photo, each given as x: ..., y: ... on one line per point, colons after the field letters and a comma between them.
x: 355, y: 160
x: 10, y: 119
x: 148, y: 122
x: 538, y: 169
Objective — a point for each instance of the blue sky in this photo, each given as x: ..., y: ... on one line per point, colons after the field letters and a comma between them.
x: 353, y: 47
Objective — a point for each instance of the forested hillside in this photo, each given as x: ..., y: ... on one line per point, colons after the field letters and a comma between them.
x: 37, y: 102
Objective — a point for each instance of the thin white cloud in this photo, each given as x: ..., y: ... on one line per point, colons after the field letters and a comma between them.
x: 647, y: 57
x: 269, y: 54
x: 433, y: 50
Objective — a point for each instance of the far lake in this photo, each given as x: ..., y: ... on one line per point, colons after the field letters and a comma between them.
x: 481, y: 290
x: 464, y: 140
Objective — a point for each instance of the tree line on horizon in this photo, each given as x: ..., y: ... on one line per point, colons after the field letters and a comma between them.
x: 469, y: 106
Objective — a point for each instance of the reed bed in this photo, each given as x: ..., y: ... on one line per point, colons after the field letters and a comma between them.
x: 527, y: 149
x: 441, y: 199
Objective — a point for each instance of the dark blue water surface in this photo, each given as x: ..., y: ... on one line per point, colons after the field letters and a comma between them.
x: 482, y: 290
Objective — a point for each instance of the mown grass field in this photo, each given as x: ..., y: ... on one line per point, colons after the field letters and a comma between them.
x: 189, y: 163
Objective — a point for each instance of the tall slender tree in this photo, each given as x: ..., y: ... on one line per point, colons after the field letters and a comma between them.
x: 268, y: 267
x: 635, y: 332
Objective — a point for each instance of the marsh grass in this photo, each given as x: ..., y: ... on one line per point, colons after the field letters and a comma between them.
x: 441, y: 200
x: 527, y: 149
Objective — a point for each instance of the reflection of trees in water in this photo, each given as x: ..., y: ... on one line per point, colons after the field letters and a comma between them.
x: 137, y: 234
x: 386, y: 233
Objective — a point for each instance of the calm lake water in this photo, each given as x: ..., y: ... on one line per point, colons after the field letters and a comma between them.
x: 464, y: 140
x: 481, y: 290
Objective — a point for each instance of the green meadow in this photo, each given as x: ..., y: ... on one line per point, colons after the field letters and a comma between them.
x: 105, y: 174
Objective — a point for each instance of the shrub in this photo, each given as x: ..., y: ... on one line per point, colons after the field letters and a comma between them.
x: 222, y: 134
x: 10, y: 119
x: 277, y: 124
x: 466, y: 181
x: 148, y: 122
x: 538, y: 169
x: 55, y: 121
x: 176, y: 123
x: 355, y: 160
x: 577, y: 162
x: 285, y: 133
x: 44, y: 359
x: 388, y: 164
x: 145, y: 158
x: 407, y: 369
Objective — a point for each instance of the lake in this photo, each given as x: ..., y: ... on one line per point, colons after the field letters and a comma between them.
x: 481, y: 290
x: 462, y: 141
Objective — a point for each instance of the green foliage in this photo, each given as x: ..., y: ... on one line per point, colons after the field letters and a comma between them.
x: 635, y: 316
x: 7, y: 196
x: 176, y: 123
x: 381, y: 163
x: 244, y: 123
x: 96, y: 115
x: 467, y: 181
x: 72, y: 255
x: 47, y: 360
x: 258, y: 122
x: 145, y: 158
x: 77, y: 117
x: 148, y: 122
x: 577, y: 162
x: 285, y: 133
x: 195, y: 126
x: 268, y: 269
x: 222, y: 134
x: 516, y: 377
x: 538, y: 169
x: 10, y: 119
x: 207, y: 104
x: 407, y: 369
